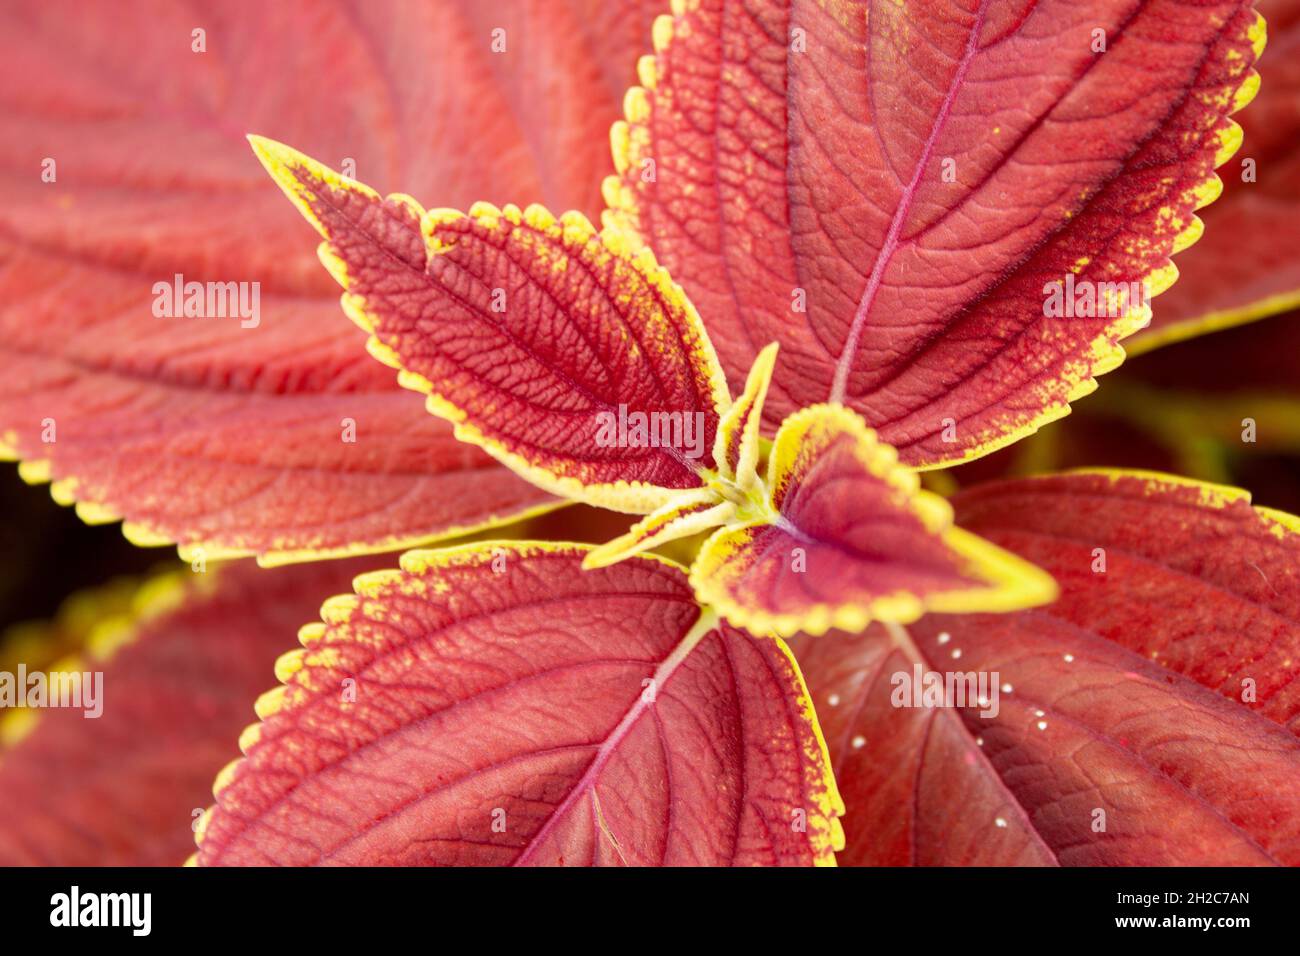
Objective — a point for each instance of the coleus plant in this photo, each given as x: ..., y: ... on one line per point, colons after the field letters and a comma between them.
x: 535, y: 702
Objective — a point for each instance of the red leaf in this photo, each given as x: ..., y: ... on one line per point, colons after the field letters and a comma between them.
x: 1128, y: 696
x: 993, y: 154
x: 845, y: 537
x: 1247, y: 266
x: 543, y: 341
x: 229, y: 438
x: 448, y: 714
x: 120, y: 789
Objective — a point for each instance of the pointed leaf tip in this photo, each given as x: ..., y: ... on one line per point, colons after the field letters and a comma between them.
x: 850, y: 538
x: 1157, y: 700
x: 566, y: 740
x: 570, y: 357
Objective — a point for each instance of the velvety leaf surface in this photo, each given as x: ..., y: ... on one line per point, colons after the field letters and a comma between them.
x: 993, y: 153
x: 542, y: 340
x: 1248, y: 265
x: 1160, y: 691
x: 200, y: 430
x: 183, y: 667
x: 497, y: 705
x: 847, y: 537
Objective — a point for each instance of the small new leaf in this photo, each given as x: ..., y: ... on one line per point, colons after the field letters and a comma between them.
x: 848, y: 537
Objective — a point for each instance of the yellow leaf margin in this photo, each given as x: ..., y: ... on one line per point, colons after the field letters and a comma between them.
x: 1011, y: 583
x: 825, y: 831
x: 571, y: 228
x: 631, y: 143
